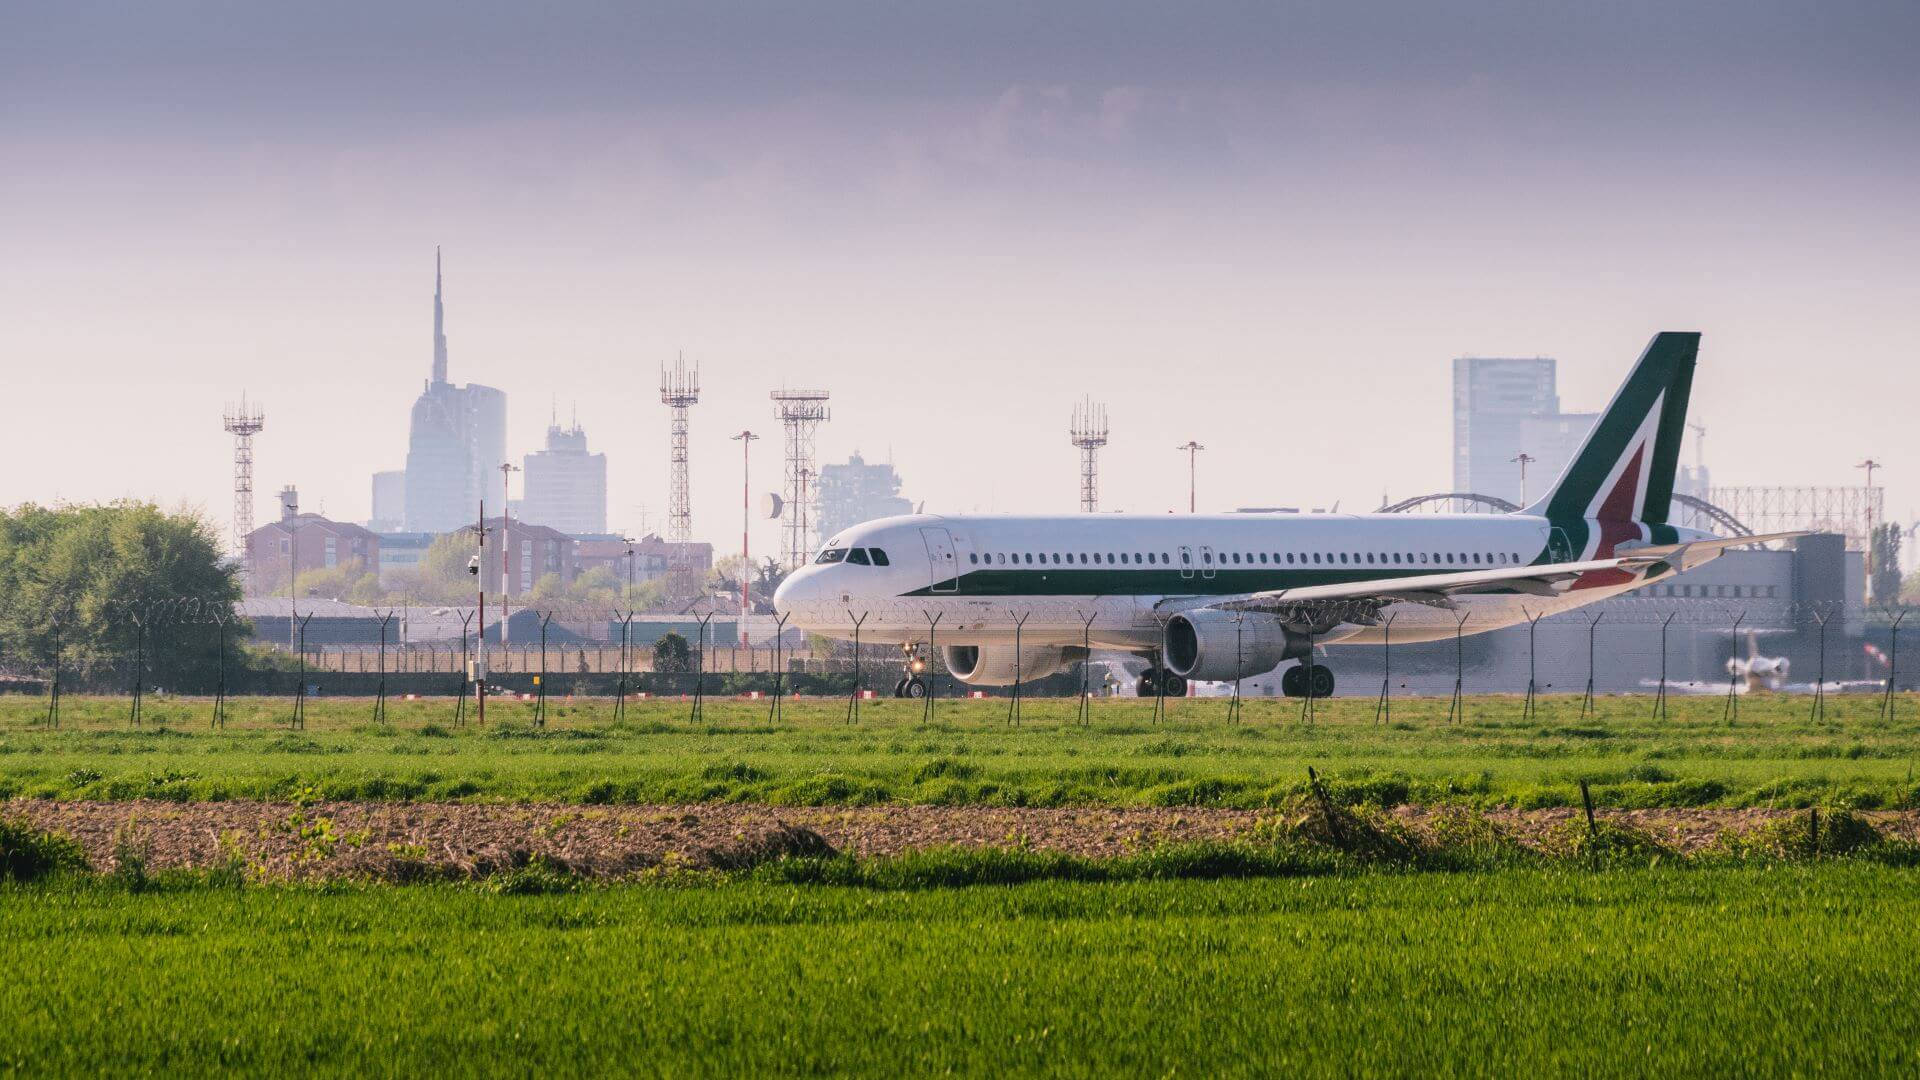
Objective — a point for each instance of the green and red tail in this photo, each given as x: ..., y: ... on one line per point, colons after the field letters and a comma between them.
x: 1619, y: 486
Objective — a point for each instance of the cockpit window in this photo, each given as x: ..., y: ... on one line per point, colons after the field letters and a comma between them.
x: 857, y: 556
x: 831, y: 555
x: 879, y: 556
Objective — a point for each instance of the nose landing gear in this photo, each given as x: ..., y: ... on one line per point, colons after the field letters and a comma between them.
x: 911, y: 684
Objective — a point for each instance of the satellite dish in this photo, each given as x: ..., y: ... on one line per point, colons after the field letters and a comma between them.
x: 771, y: 505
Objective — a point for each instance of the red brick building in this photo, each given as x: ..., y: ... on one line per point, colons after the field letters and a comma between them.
x: 303, y: 542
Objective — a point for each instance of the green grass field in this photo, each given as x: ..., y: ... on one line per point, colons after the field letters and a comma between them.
x: 1765, y: 971
x: 1774, y: 756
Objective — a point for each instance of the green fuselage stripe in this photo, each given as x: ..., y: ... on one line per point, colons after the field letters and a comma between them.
x: 1154, y: 581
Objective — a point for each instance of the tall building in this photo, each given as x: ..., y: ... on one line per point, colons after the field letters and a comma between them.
x: 1502, y: 408
x: 857, y: 492
x: 457, y: 440
x: 389, y: 501
x: 566, y: 487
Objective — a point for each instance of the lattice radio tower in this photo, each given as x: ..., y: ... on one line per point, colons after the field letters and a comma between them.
x: 679, y: 392
x: 800, y: 411
x: 243, y: 422
x: 1089, y: 433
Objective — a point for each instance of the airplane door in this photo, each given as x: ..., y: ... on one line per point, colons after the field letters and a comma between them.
x: 1206, y: 562
x: 1186, y: 563
x: 940, y: 561
x: 1559, y: 550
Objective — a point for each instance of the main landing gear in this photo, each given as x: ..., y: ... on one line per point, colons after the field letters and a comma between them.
x: 910, y: 684
x: 1296, y: 680
x: 1151, y: 680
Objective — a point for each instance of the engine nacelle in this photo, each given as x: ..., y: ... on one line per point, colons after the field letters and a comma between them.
x: 993, y: 665
x: 1204, y: 644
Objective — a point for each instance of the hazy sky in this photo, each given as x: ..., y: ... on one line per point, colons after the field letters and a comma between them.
x: 1268, y: 227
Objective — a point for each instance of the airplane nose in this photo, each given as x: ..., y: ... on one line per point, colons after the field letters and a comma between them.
x: 790, y: 592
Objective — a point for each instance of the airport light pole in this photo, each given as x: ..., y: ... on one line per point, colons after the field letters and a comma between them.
x: 1870, y: 465
x: 480, y: 583
x: 745, y: 439
x: 1193, y: 449
x: 1525, y: 459
x: 507, y: 469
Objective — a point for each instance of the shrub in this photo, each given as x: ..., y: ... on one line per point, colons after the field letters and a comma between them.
x: 27, y: 853
x: 538, y: 876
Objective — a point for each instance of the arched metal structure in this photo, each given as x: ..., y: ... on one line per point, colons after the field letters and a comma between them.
x: 1493, y: 503
x: 1729, y: 525
x: 1724, y: 523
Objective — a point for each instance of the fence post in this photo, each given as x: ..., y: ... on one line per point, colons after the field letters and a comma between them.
x: 853, y: 695
x: 380, y: 697
x: 139, y: 663
x: 1458, y: 705
x: 933, y: 683
x: 460, y: 708
x: 219, y: 719
x: 1586, y: 702
x: 1013, y: 704
x: 299, y: 719
x: 1383, y: 709
x: 1239, y: 658
x: 53, y: 686
x: 1086, y: 661
x: 540, y: 692
x: 700, y: 671
x: 774, y: 713
x: 1893, y: 667
x: 1731, y: 712
x: 1660, y: 699
x: 1819, y: 709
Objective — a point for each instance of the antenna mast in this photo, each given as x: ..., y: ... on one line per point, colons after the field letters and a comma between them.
x: 243, y: 422
x: 800, y: 412
x: 679, y: 392
x: 1089, y: 433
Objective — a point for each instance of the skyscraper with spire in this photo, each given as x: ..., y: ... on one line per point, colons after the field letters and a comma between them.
x: 457, y: 439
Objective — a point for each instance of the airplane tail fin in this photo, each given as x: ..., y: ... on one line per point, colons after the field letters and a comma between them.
x: 1624, y: 471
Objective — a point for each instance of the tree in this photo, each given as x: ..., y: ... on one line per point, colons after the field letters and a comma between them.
x: 350, y: 581
x: 1885, y: 587
x: 96, y: 583
x: 672, y: 653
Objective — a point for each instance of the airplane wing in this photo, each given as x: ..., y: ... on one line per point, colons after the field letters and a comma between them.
x: 1356, y: 601
x: 1546, y: 579
x: 1693, y: 553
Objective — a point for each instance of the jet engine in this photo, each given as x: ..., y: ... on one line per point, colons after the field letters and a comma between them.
x: 1210, y: 645
x: 994, y: 665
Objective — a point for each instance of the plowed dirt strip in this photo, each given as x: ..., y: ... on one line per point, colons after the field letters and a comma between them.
x: 399, y: 840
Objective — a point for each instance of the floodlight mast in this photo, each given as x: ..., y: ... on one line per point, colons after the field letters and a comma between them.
x: 480, y: 583
x: 745, y: 439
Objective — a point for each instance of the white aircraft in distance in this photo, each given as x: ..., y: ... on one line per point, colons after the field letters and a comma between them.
x: 1008, y: 599
x: 1757, y: 671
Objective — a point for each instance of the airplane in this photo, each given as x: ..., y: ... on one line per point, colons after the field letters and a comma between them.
x: 1757, y: 671
x: 1011, y: 598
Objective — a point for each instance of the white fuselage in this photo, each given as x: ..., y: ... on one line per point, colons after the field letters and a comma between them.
x: 1111, y: 580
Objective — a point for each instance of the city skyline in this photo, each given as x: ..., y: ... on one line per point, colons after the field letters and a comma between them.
x: 1225, y: 237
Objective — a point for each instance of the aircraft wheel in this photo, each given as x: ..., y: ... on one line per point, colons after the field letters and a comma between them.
x: 1176, y: 686
x: 900, y: 686
x: 1291, y: 682
x: 915, y: 687
x: 1148, y: 684
x: 1322, y: 680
